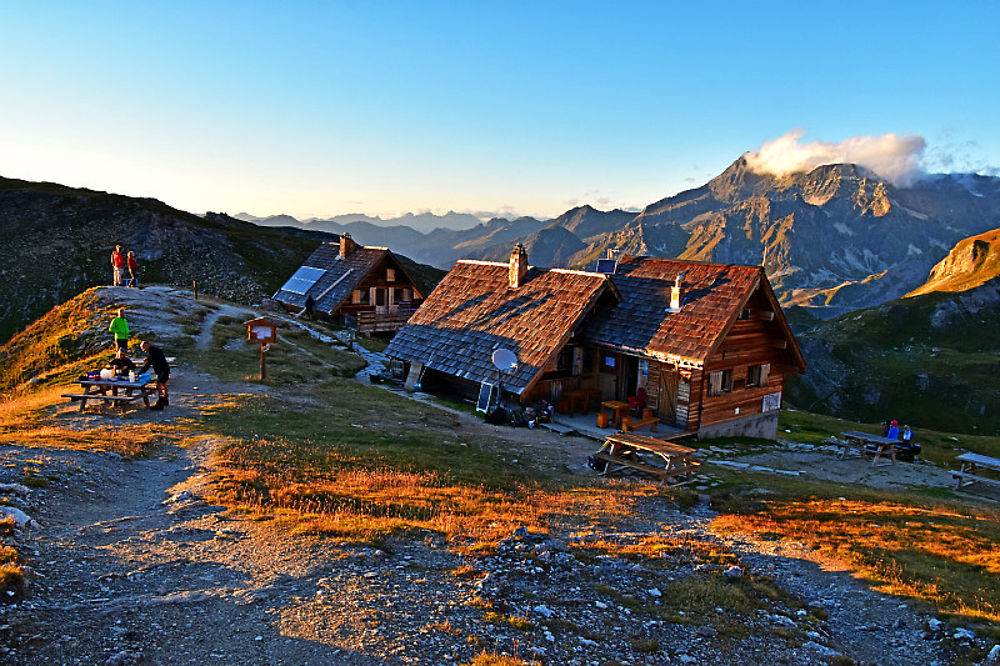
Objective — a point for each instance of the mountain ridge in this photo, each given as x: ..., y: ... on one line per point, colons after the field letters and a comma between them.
x: 833, y: 239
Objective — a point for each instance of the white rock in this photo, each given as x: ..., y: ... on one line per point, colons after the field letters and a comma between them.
x: 544, y: 611
x: 822, y: 649
x: 994, y: 654
x: 654, y: 592
x: 21, y: 519
x: 686, y: 659
x: 601, y: 605
x: 935, y: 625
x: 963, y: 634
x: 733, y: 572
x: 14, y: 489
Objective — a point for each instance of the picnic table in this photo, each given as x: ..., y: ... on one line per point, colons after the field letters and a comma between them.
x: 972, y: 463
x: 582, y: 395
x: 669, y: 462
x: 106, y: 390
x: 618, y: 409
x: 858, y: 444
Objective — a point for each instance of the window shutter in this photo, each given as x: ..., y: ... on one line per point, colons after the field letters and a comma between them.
x: 765, y: 370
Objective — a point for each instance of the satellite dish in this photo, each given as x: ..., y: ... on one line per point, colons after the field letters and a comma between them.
x: 504, y: 359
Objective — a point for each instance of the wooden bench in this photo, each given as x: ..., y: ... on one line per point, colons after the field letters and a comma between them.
x: 628, y: 424
x: 971, y: 463
x: 115, y: 399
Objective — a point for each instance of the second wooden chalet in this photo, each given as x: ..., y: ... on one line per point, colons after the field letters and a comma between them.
x: 706, y: 343
x: 365, y: 287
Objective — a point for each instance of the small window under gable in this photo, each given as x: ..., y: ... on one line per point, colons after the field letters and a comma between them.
x: 720, y: 381
x: 390, y: 275
x: 757, y: 375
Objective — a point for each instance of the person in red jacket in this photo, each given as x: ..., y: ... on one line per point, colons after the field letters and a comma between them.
x: 118, y: 265
x: 133, y: 270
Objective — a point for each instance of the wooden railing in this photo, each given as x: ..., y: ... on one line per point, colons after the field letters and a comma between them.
x: 381, y: 322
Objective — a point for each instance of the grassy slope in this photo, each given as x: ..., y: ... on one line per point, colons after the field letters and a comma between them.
x: 930, y: 361
x: 55, y: 241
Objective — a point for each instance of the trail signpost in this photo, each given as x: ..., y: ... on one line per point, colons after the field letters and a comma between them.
x: 265, y: 332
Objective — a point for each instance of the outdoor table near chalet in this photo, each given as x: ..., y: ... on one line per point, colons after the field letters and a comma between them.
x: 670, y: 463
x: 581, y: 396
x: 859, y: 444
x: 118, y: 391
x: 972, y: 466
x: 618, y: 409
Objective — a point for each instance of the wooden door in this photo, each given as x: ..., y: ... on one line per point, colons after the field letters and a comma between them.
x: 667, y: 399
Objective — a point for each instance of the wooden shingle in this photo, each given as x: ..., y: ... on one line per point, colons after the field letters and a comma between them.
x: 473, y: 312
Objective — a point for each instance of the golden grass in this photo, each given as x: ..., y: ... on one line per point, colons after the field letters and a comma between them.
x: 8, y: 555
x: 12, y: 580
x: 369, y: 504
x: 25, y: 421
x: 945, y: 554
x: 493, y: 659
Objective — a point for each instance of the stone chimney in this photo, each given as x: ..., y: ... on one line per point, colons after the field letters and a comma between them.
x: 676, y: 294
x: 347, y: 245
x: 518, y: 267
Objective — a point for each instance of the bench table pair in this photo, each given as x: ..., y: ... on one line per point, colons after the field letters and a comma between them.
x: 106, y: 390
x: 670, y: 463
x: 972, y: 465
x: 859, y: 444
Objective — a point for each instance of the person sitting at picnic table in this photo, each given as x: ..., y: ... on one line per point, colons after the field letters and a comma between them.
x: 907, y: 449
x: 121, y: 364
x: 158, y: 362
x: 119, y: 327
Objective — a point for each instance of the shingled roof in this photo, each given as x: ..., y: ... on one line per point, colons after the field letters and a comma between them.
x: 713, y: 297
x: 473, y: 312
x: 341, y: 277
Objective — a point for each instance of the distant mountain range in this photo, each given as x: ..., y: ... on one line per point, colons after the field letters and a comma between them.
x: 423, y: 222
x: 832, y: 240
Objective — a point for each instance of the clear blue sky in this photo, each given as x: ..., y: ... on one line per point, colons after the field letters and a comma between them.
x: 319, y: 108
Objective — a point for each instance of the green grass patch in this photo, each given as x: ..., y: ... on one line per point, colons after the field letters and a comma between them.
x: 937, y: 446
x: 296, y: 359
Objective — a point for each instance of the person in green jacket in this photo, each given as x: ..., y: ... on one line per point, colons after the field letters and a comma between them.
x: 119, y: 327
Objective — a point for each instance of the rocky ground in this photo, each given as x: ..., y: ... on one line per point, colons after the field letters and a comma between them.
x: 131, y: 564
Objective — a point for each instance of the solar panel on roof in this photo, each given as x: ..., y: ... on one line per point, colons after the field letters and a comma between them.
x: 303, y: 280
x: 606, y: 266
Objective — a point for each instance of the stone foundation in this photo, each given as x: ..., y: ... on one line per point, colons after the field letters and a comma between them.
x: 763, y: 426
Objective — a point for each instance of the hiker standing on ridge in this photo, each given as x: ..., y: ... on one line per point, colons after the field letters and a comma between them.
x: 118, y: 266
x: 156, y: 360
x: 133, y: 270
x: 119, y: 327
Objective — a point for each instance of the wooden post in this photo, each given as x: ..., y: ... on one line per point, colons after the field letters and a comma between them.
x: 263, y: 363
x: 195, y: 286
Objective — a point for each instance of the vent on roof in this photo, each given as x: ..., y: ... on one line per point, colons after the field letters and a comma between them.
x: 676, y: 294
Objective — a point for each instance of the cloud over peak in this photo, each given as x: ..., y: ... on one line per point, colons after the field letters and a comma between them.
x: 895, y: 158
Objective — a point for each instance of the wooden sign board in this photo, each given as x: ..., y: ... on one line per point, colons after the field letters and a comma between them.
x: 261, y: 330
x: 772, y: 401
